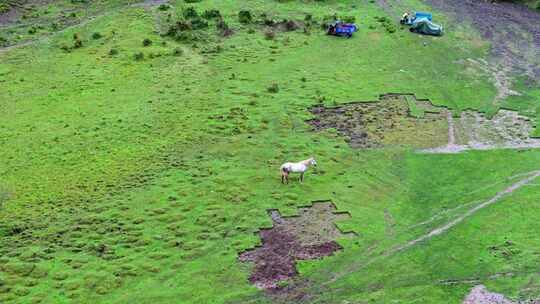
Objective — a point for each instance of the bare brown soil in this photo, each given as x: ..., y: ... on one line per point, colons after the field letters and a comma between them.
x: 388, y: 122
x: 381, y: 123
x: 310, y: 235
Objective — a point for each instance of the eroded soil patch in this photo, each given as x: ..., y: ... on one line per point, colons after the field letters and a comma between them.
x: 310, y: 235
x: 383, y: 123
x: 403, y: 120
x: 480, y: 295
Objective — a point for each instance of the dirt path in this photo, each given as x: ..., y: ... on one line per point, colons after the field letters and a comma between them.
x: 533, y: 175
x: 529, y: 177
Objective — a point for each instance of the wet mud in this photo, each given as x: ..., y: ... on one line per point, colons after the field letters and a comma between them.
x: 310, y: 235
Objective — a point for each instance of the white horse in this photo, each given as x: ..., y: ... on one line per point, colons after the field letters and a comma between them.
x: 299, y: 167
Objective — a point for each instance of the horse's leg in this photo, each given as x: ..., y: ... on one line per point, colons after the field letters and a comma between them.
x: 282, y: 178
x: 301, y: 177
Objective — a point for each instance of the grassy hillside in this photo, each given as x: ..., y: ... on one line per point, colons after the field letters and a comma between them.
x: 136, y: 172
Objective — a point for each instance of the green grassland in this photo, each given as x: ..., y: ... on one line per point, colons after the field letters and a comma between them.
x: 127, y: 180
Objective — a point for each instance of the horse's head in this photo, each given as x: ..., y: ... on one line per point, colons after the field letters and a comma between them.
x: 312, y: 161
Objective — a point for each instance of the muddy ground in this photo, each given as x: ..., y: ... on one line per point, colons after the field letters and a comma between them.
x: 310, y: 235
x: 381, y: 123
x: 390, y: 122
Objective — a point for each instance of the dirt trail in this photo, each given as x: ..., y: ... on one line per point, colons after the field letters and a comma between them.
x: 530, y: 176
x: 533, y: 175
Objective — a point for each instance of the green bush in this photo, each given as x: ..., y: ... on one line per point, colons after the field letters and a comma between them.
x: 164, y: 7
x: 273, y: 88
x: 387, y: 23
x: 178, y: 52
x: 223, y: 28
x: 179, y: 26
x: 147, y: 42
x: 139, y: 56
x: 198, y: 24
x: 96, y: 35
x: 4, y: 8
x: 348, y: 19
x: 113, y: 52
x: 212, y: 13
x: 245, y: 17
x: 77, y: 42
x: 190, y: 12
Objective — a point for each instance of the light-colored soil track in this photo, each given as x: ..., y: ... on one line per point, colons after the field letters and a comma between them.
x: 533, y: 175
x: 473, y: 131
x: 528, y: 178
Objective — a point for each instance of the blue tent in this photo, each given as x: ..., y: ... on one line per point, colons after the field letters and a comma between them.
x: 425, y: 26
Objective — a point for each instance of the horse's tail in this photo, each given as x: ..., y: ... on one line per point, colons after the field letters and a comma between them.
x: 284, y: 170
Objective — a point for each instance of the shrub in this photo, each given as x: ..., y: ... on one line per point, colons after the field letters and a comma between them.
x: 178, y: 52
x: 327, y: 20
x: 210, y: 14
x: 387, y: 24
x: 32, y: 30
x: 273, y: 88
x: 4, y: 8
x: 268, y: 21
x: 269, y: 35
x: 77, y: 43
x: 113, y: 52
x: 308, y: 18
x: 290, y: 25
x: 192, y: 1
x: 348, y: 19
x: 245, y: 17
x: 3, y: 41
x: 147, y: 42
x: 190, y: 12
x: 96, y: 35
x: 198, y: 24
x: 139, y: 56
x: 224, y: 28
x: 191, y: 36
x: 164, y: 7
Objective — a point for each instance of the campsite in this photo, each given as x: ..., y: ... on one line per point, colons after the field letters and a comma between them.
x: 269, y: 151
